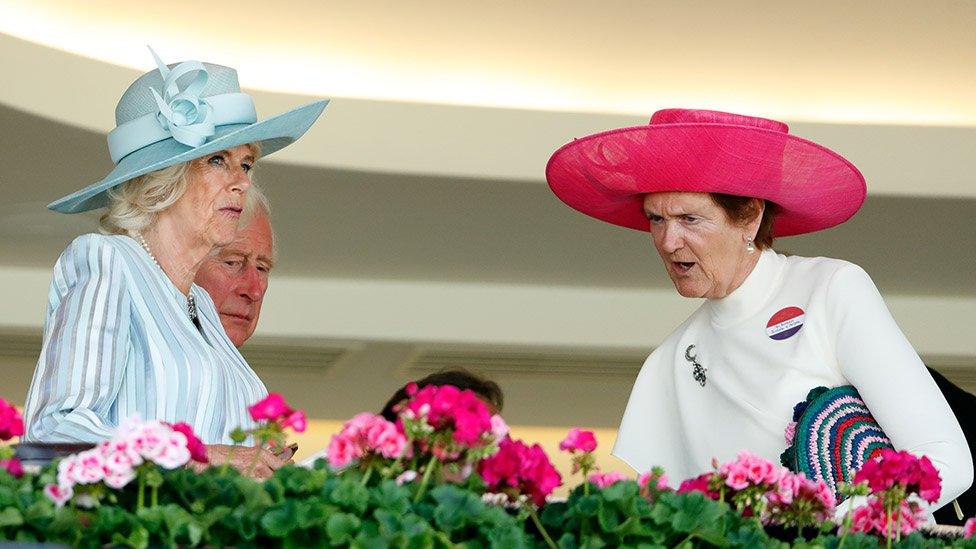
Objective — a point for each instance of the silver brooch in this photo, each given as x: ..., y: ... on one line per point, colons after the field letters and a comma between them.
x: 699, y: 372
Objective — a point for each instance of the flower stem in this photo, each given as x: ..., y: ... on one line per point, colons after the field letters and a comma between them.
x: 369, y: 473
x: 541, y: 528
x: 257, y: 454
x: 141, y: 496
x: 848, y: 517
x: 230, y: 456
x: 154, y: 497
x: 888, y: 526
x: 428, y: 471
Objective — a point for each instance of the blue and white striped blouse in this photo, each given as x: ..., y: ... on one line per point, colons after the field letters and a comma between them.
x: 118, y: 342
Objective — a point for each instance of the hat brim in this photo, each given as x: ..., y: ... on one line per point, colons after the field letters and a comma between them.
x: 606, y: 175
x: 274, y: 134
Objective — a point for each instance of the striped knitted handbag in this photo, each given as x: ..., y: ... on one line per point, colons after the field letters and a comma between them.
x: 834, y: 433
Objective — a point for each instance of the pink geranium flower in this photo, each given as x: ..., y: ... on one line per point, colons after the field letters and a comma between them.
x: 520, y: 469
x: 701, y: 483
x: 602, y: 480
x: 295, y: 421
x: 578, y: 440
x: 58, y: 494
x: 198, y: 450
x: 11, y: 424
x: 660, y: 481
x: 873, y: 519
x: 13, y: 466
x: 447, y: 408
x: 499, y: 429
x: 362, y: 435
x: 970, y: 528
x: 407, y: 476
x: 891, y: 467
x: 270, y: 407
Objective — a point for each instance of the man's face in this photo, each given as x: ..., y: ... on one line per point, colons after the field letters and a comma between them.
x: 236, y: 278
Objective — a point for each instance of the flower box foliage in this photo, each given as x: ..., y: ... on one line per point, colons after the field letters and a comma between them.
x: 444, y: 474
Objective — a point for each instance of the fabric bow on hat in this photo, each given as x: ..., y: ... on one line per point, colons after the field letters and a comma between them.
x: 187, y: 116
x: 183, y: 115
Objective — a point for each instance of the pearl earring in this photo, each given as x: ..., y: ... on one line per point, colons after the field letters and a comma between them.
x: 750, y: 247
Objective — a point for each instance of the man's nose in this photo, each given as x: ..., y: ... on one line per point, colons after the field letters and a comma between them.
x: 253, y: 286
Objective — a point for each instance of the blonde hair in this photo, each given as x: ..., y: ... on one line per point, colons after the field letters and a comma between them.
x: 134, y: 205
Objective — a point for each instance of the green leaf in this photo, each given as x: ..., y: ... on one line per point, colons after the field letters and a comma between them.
x: 391, y: 497
x: 567, y: 541
x: 138, y: 539
x: 455, y: 507
x: 11, y: 517
x: 620, y: 491
x: 592, y: 542
x: 587, y: 506
x: 505, y: 537
x: 279, y: 522
x: 351, y: 495
x: 312, y: 514
x: 7, y: 497
x: 341, y: 528
x: 608, y: 518
x: 40, y: 509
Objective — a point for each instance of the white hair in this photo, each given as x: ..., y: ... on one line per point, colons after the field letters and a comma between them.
x: 255, y: 203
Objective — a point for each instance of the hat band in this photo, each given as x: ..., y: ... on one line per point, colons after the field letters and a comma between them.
x: 227, y: 108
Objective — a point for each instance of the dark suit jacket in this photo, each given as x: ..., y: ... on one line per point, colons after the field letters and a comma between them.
x: 963, y: 404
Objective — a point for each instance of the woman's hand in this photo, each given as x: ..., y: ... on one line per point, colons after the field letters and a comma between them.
x: 252, y: 461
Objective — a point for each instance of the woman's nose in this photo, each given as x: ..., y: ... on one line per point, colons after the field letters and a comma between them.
x: 671, y: 238
x: 241, y: 182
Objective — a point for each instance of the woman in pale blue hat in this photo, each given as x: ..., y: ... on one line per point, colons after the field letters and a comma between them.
x: 127, y: 332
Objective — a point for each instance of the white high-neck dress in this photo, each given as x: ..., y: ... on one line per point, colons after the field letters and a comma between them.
x: 794, y: 324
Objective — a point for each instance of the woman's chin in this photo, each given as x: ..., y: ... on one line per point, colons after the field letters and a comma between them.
x: 686, y: 289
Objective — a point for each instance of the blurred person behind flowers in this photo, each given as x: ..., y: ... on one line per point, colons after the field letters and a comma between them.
x: 488, y: 391
x: 714, y: 189
x: 127, y: 332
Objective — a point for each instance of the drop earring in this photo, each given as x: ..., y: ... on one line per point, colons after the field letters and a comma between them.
x: 750, y: 247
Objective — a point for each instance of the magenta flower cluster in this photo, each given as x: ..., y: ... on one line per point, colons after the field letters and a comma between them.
x: 273, y: 408
x: 578, y: 440
x: 445, y: 407
x: 891, y: 468
x: 518, y: 468
x: 11, y: 425
x: 893, y: 477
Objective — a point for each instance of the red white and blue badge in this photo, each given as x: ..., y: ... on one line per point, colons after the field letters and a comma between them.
x: 785, y: 323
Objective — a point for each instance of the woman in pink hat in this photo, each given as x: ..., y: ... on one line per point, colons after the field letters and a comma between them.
x: 714, y: 189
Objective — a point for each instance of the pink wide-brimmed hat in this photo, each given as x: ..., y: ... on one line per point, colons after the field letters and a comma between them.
x: 606, y: 175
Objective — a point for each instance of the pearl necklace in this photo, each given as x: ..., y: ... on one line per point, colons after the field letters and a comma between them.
x: 191, y: 304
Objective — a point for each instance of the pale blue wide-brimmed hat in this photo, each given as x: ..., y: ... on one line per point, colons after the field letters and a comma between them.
x: 180, y: 112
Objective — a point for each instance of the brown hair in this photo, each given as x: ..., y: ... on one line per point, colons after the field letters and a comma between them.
x: 487, y: 390
x: 743, y: 209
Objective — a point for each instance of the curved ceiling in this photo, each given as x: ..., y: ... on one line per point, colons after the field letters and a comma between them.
x: 897, y: 62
